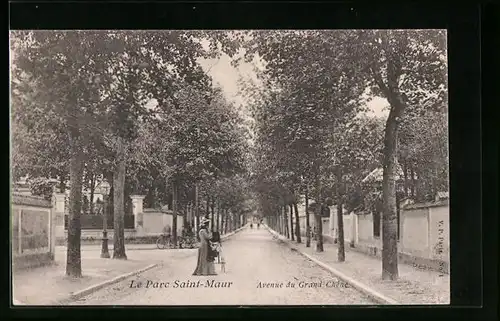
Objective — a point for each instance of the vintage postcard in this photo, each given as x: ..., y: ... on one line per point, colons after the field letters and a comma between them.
x: 234, y: 167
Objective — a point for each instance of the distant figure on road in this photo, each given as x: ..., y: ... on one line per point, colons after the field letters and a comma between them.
x: 251, y: 225
x: 258, y: 225
x: 205, y: 265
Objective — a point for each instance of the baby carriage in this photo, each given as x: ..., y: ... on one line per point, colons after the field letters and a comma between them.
x: 216, y: 245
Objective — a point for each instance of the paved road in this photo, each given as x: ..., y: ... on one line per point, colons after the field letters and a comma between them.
x: 258, y: 270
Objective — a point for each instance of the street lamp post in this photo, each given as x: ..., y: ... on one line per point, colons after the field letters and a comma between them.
x: 105, y: 191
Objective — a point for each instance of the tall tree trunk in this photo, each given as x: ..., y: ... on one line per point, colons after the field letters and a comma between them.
x: 92, y: 192
x: 280, y: 221
x: 190, y: 214
x: 119, y: 204
x: 207, y: 209
x: 413, y: 181
x: 318, y: 237
x: 405, y: 172
x: 319, y: 230
x: 297, y: 223
x: 398, y: 212
x: 226, y: 218
x: 285, y: 221
x: 73, y: 255
x: 389, y: 218
x: 340, y: 218
x: 340, y: 237
x: 319, y: 212
x: 275, y: 221
x: 276, y: 214
x: 226, y: 221
x: 280, y: 226
x: 218, y: 216
x: 222, y: 219
x: 212, y: 216
x: 308, y: 224
x: 174, y: 214
x: 197, y: 211
x: 111, y: 195
x: 292, y: 236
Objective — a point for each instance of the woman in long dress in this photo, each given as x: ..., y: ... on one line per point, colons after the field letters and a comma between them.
x: 205, y: 265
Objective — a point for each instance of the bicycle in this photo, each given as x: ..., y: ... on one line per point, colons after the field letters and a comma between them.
x: 186, y: 242
x: 164, y: 241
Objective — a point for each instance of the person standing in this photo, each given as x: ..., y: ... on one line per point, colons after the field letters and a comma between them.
x: 205, y: 264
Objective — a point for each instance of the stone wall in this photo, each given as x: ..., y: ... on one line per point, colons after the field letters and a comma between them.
x: 33, y: 231
x: 424, y: 233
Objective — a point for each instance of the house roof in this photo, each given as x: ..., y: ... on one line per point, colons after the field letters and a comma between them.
x: 428, y: 204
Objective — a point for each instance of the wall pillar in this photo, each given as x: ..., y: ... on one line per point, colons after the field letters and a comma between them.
x: 354, y: 226
x: 331, y: 225
x: 428, y: 238
x: 138, y: 210
x: 58, y: 211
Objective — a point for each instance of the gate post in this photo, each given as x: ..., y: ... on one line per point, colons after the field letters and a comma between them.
x: 58, y: 212
x: 137, y: 210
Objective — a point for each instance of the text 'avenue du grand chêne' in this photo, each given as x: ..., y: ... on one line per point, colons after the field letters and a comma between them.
x: 303, y: 284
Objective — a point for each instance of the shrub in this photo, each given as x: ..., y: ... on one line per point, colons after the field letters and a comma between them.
x: 41, y: 187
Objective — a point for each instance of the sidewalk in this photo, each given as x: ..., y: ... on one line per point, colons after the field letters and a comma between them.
x: 48, y: 285
x: 414, y: 286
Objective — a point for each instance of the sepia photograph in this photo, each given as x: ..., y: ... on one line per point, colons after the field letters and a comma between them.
x: 229, y: 167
